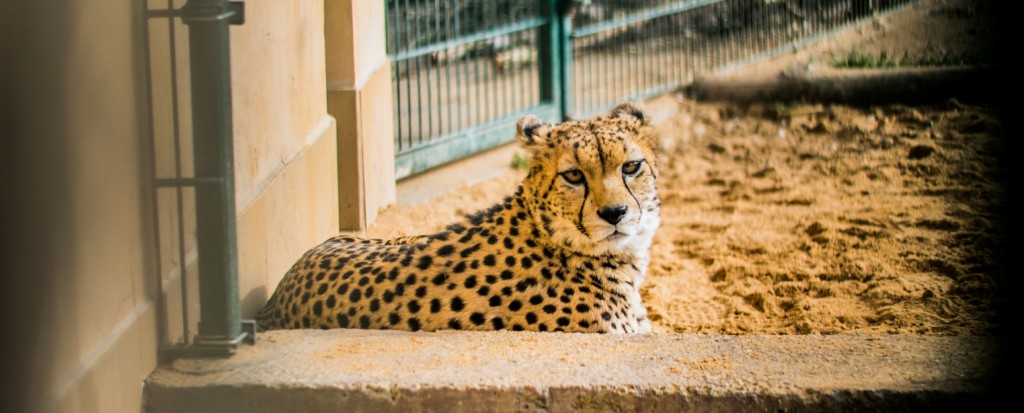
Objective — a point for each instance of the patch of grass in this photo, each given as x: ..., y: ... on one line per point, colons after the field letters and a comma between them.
x: 520, y: 162
x: 860, y: 60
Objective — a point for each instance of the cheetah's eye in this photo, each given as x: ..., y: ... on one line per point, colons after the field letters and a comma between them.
x: 632, y: 167
x: 574, y: 176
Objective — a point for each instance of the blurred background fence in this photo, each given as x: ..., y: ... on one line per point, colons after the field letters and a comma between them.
x: 463, y: 71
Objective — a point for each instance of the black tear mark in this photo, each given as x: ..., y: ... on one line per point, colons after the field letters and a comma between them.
x: 630, y: 190
x: 583, y: 205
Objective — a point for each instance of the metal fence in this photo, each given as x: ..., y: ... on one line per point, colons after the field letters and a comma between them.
x: 632, y: 49
x: 464, y: 70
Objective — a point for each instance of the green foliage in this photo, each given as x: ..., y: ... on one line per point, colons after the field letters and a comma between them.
x: 520, y: 162
x: 860, y: 60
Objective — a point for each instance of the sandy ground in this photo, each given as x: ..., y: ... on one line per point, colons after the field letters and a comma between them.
x: 816, y: 218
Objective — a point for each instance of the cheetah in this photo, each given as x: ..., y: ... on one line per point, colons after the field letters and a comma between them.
x: 567, y: 252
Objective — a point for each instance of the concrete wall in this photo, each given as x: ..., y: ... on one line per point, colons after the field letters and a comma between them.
x: 78, y: 238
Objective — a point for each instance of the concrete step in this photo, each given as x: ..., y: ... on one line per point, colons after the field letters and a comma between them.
x: 384, y: 371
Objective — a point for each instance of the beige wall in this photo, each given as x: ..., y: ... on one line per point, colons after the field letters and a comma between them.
x: 79, y: 279
x: 285, y: 162
x: 81, y: 327
x: 359, y: 96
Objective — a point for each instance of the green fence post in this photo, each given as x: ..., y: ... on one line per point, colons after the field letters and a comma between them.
x: 566, y: 10
x: 220, y: 327
x: 549, y: 45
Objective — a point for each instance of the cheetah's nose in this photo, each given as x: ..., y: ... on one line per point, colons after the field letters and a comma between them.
x: 612, y: 213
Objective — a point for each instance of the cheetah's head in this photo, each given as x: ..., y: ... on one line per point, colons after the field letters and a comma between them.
x: 591, y: 184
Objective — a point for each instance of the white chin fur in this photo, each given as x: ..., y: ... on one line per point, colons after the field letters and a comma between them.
x: 637, y: 235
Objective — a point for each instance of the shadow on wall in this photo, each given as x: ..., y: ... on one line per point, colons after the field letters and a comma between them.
x: 41, y: 106
x: 34, y: 35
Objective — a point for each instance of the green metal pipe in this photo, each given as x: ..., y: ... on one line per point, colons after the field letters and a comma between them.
x: 220, y: 327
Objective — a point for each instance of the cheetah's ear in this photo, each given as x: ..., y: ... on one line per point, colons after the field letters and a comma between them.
x: 633, y: 111
x: 532, y: 132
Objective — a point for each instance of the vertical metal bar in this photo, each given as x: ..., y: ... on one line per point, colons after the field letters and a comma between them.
x: 678, y: 42
x: 396, y: 79
x: 767, y: 28
x: 632, y: 57
x: 414, y: 41
x: 812, y: 20
x: 639, y: 44
x: 675, y: 38
x: 514, y: 103
x: 661, y: 49
x: 475, y: 100
x: 489, y: 78
x: 528, y: 40
x: 436, y: 72
x: 608, y: 67
x: 448, y: 71
x: 551, y: 42
x: 161, y: 318
x: 209, y: 47
x: 175, y: 115
x: 700, y: 40
x: 600, y: 69
x: 393, y: 34
x: 518, y: 86
x: 758, y: 27
x: 422, y: 25
x: 644, y: 39
x: 744, y: 32
x: 408, y: 74
x: 565, y: 61
x: 682, y: 41
x: 713, y: 36
x: 535, y: 72
x: 719, y: 50
x: 645, y: 51
x: 778, y: 29
x: 727, y: 32
x: 584, y: 89
x: 413, y: 22
x: 503, y: 75
x: 619, y: 68
x: 520, y: 73
x: 459, y: 81
x: 628, y: 78
x: 479, y: 101
x: 716, y: 37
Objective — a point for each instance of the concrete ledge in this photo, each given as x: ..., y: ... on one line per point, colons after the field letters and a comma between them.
x: 355, y: 370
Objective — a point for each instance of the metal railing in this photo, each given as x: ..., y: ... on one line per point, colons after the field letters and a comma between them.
x: 193, y: 178
x: 464, y: 70
x: 633, y: 49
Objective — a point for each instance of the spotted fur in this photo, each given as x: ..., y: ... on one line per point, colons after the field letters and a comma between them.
x: 567, y: 252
